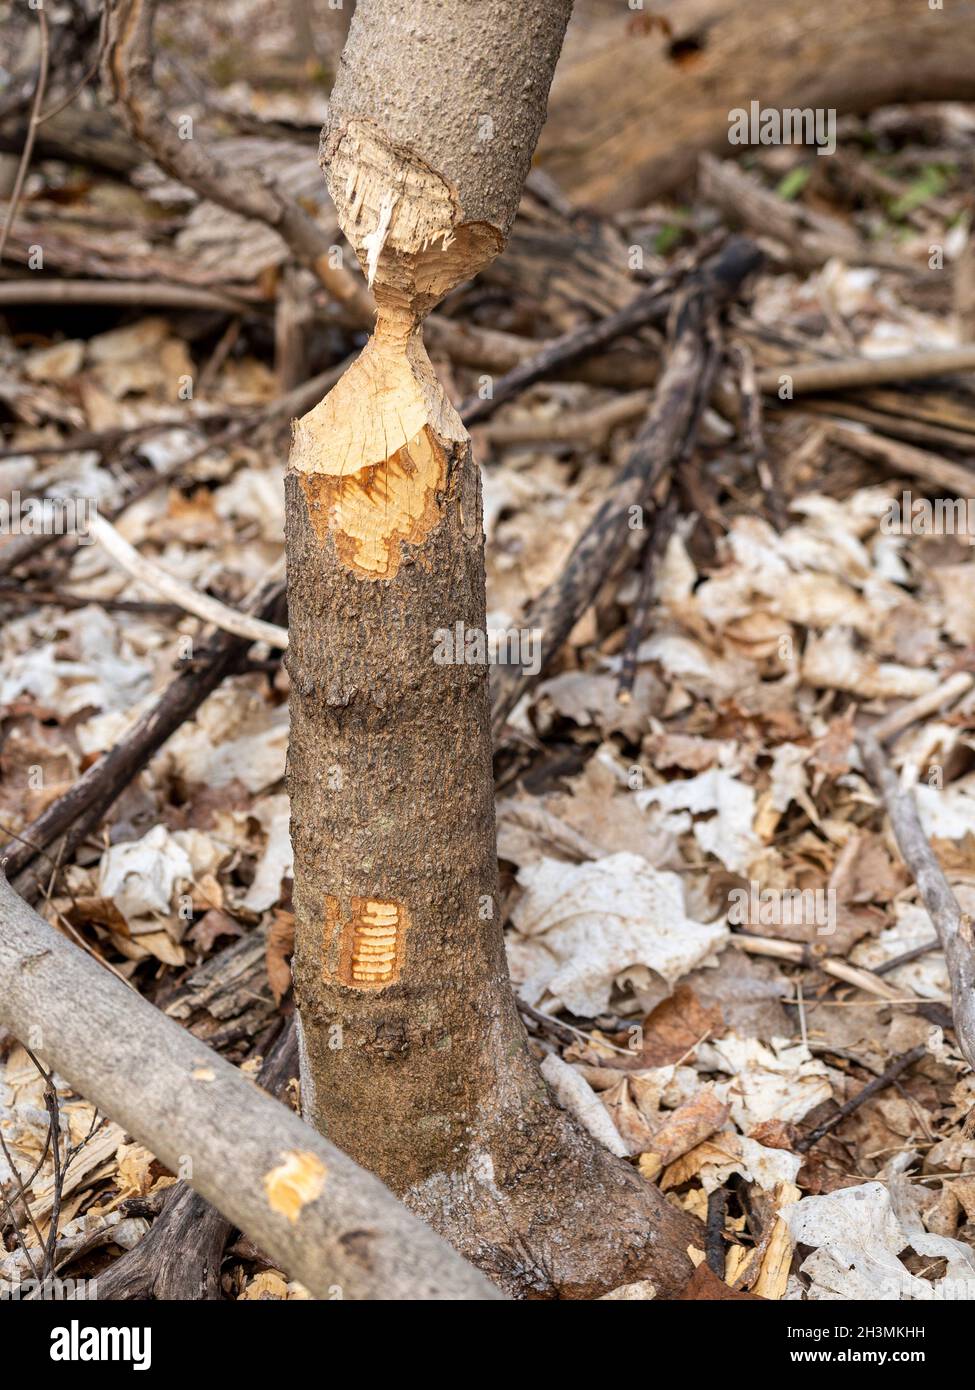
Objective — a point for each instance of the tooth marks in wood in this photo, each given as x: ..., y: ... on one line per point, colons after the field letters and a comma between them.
x: 370, y: 941
x: 371, y: 512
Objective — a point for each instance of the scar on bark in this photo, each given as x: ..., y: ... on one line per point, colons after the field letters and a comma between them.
x: 368, y: 945
x: 373, y: 457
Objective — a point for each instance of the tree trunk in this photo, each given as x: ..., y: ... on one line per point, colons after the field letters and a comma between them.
x: 631, y: 114
x: 413, y: 1056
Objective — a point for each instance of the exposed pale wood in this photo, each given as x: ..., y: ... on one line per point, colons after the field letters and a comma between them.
x: 435, y: 1087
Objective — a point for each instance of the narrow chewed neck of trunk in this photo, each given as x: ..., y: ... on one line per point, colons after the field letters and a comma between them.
x: 373, y: 456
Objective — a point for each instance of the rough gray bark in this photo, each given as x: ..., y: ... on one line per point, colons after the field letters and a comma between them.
x: 415, y: 1060
x: 327, y: 1222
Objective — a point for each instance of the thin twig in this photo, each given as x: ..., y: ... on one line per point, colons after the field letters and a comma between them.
x: 76, y: 92
x: 211, y: 610
x: 714, y: 1232
x: 28, y: 149
x: 879, y: 1083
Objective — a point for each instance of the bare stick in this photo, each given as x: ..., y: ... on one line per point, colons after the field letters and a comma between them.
x: 751, y: 409
x: 560, y: 352
x: 35, y: 115
x: 179, y: 1257
x: 954, y: 927
x: 325, y: 1220
x: 800, y: 954
x: 938, y: 699
x: 81, y: 808
x: 657, y: 445
x: 850, y: 372
x: 879, y: 1083
x: 128, y: 77
x: 904, y: 458
x: 211, y: 610
x: 157, y: 292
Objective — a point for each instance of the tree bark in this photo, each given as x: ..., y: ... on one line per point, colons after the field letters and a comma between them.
x: 324, y: 1220
x: 631, y: 115
x: 413, y: 1057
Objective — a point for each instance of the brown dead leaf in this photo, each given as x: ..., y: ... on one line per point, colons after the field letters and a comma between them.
x: 830, y: 756
x: 280, y: 946
x: 687, y: 1126
x: 671, y: 1030
x: 212, y: 925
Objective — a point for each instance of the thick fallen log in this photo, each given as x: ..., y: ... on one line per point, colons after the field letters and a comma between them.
x: 630, y: 116
x: 179, y: 1258
x: 326, y: 1221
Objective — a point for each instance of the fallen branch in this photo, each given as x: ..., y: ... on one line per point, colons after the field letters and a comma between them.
x: 632, y: 110
x: 19, y: 549
x: 842, y: 374
x: 954, y: 927
x: 80, y: 810
x: 153, y: 576
x: 327, y: 1222
x: 660, y: 441
x: 933, y: 700
x: 648, y: 307
x: 179, y: 1257
x: 751, y: 411
x: 158, y: 293
x: 127, y: 71
x: 34, y: 122
x: 905, y: 458
x: 583, y: 428
x: 798, y: 953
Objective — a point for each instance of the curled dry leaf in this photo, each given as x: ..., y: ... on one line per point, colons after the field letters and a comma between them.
x: 280, y: 947
x: 580, y: 928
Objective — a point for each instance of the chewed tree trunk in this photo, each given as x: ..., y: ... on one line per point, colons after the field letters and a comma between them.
x: 414, y: 1058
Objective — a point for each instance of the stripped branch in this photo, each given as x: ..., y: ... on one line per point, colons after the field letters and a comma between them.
x: 953, y: 926
x: 153, y: 576
x: 658, y: 444
x: 327, y: 1222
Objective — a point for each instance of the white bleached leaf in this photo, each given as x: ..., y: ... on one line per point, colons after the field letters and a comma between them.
x: 728, y: 835
x: 782, y: 1082
x: 575, y: 1094
x: 580, y: 926
x: 277, y: 861
x: 141, y: 876
x: 859, y: 1233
